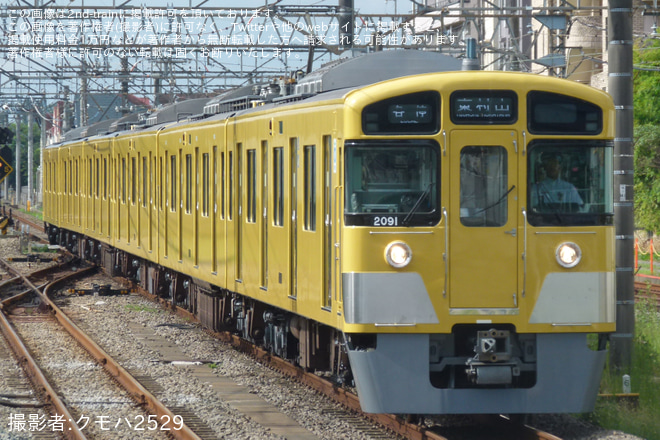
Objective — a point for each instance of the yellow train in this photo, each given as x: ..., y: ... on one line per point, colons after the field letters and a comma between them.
x: 445, y: 239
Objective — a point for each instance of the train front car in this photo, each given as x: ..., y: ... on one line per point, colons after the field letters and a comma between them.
x: 477, y: 248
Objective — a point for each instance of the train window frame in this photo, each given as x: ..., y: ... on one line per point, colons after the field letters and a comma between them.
x: 278, y: 186
x: 537, y: 98
x: 145, y: 181
x: 160, y: 184
x: 223, y: 185
x: 188, y: 183
x: 378, y: 208
x: 105, y: 178
x: 309, y: 187
x: 98, y: 178
x: 376, y: 117
x: 251, y: 186
x: 230, y: 201
x: 585, y: 210
x: 173, y: 182
x: 123, y: 180
x: 205, y: 184
x: 484, y: 168
x: 487, y: 94
x: 133, y: 179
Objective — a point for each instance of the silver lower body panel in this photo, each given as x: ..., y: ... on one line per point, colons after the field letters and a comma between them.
x: 394, y: 378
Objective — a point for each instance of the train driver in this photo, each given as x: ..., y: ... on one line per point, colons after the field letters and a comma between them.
x: 552, y: 191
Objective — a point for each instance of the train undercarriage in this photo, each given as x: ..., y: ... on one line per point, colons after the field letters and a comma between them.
x: 310, y: 345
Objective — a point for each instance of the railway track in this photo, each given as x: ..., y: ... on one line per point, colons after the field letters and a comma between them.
x: 649, y: 292
x: 67, y: 370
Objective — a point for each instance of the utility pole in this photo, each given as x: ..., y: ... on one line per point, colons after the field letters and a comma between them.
x: 17, y: 170
x: 30, y: 158
x: 620, y: 86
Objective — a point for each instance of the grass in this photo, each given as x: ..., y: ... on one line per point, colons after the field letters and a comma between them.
x: 34, y: 213
x: 644, y: 420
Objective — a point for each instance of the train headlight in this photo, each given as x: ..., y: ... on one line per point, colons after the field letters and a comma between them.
x: 568, y: 255
x: 398, y: 254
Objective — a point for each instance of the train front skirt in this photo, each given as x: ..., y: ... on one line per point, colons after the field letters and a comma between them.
x: 394, y: 378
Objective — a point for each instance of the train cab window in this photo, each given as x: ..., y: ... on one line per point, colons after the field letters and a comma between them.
x: 483, y: 188
x: 392, y: 183
x: 570, y: 183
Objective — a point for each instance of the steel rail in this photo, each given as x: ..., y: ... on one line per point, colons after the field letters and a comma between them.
x: 37, y: 377
x: 116, y: 371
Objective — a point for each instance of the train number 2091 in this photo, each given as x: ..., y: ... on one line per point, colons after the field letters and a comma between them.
x: 386, y: 221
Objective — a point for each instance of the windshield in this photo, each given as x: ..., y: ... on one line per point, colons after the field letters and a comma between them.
x: 570, y: 183
x: 392, y: 183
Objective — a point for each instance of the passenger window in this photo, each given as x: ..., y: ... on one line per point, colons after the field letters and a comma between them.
x: 484, y: 188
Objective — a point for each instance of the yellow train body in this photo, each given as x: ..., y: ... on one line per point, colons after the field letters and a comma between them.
x: 255, y: 203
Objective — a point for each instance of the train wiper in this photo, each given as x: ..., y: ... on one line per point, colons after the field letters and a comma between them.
x: 501, y: 199
x: 417, y: 204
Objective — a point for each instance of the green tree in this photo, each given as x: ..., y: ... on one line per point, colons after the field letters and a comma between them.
x: 646, y: 96
x: 646, y: 82
x: 647, y: 177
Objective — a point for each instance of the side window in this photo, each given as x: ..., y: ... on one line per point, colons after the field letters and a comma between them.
x: 278, y: 186
x: 123, y: 180
x: 205, y: 184
x: 133, y: 180
x: 145, y: 181
x: 252, y: 185
x: 484, y: 188
x: 173, y: 181
x: 310, y: 187
x: 189, y: 184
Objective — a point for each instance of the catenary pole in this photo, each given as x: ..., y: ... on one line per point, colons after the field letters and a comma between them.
x: 17, y: 170
x: 621, y: 88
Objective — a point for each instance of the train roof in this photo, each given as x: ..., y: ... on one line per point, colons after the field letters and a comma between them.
x: 338, y: 76
x: 375, y: 67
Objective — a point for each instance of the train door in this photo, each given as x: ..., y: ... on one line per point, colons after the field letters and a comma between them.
x: 133, y: 211
x: 238, y: 250
x: 97, y: 194
x: 144, y: 203
x: 483, y: 220
x: 278, y: 251
x: 188, y: 215
x: 170, y: 228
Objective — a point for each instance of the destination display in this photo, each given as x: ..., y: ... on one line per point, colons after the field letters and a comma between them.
x: 409, y: 114
x: 483, y: 107
x: 414, y: 113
